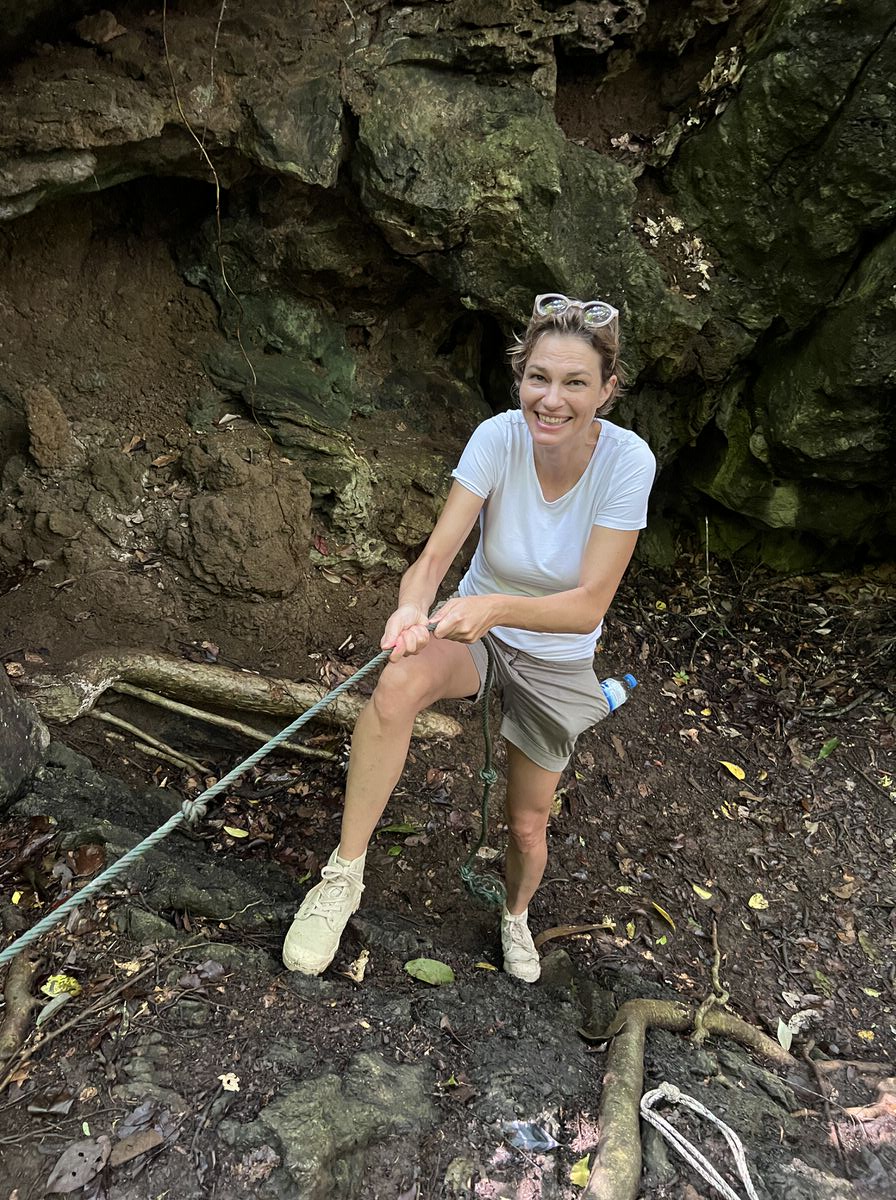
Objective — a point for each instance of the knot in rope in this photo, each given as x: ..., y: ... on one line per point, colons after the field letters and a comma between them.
x: 485, y: 887
x: 189, y: 810
x: 194, y: 810
x: 687, y: 1150
x: 489, y: 776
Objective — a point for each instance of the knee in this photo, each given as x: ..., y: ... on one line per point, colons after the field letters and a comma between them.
x: 527, y: 834
x: 401, y: 692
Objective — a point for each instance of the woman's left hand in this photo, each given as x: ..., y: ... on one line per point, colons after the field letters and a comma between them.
x: 466, y: 618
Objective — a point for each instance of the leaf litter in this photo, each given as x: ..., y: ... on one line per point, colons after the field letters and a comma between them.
x: 760, y: 677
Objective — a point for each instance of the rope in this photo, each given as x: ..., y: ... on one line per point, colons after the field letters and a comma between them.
x: 190, y: 810
x: 689, y: 1152
x: 483, y: 886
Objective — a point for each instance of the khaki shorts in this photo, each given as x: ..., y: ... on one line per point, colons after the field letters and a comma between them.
x: 546, y: 705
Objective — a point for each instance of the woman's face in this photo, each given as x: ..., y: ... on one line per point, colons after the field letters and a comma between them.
x: 561, y: 390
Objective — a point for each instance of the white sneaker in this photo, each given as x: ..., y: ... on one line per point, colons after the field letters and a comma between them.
x: 313, y: 937
x: 520, y: 956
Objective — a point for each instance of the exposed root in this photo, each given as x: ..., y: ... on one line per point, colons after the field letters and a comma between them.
x: 19, y: 1004
x: 199, y: 714
x: 152, y: 743
x: 68, y: 696
x: 617, y: 1168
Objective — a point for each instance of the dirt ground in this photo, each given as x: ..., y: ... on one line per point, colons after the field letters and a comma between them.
x: 746, y: 788
x: 740, y: 804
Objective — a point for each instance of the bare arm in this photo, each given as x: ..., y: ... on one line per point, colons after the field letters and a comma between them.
x: 578, y: 610
x: 406, y: 628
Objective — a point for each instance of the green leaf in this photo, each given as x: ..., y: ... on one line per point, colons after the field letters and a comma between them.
x: 394, y: 851
x: 871, y: 951
x: 828, y: 748
x: 785, y: 1034
x: 823, y: 982
x: 235, y: 832
x: 403, y: 827
x: 430, y: 970
x: 578, y: 1175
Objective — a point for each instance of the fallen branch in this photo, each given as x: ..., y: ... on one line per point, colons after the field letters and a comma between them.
x: 67, y: 696
x: 616, y: 1172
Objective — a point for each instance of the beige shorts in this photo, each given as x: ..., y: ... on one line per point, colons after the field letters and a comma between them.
x: 546, y: 705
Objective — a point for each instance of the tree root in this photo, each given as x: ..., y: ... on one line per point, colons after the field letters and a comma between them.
x: 616, y: 1172
x: 68, y: 696
x: 152, y: 744
x: 199, y: 714
x: 19, y: 1004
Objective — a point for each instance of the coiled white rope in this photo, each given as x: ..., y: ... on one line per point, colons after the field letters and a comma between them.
x: 689, y: 1152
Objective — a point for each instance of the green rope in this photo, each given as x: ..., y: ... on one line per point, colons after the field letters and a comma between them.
x: 482, y: 885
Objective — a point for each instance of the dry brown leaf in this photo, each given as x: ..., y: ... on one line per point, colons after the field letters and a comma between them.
x: 80, y: 1163
x: 844, y: 892
x: 136, y: 1143
x: 618, y: 746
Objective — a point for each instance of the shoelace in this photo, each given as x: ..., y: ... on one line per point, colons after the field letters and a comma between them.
x: 332, y: 895
x: 520, y: 936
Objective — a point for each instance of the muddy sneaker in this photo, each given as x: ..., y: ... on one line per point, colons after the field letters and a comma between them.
x: 520, y: 956
x: 314, y: 935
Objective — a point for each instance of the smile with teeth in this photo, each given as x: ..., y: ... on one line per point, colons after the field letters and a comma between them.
x: 546, y: 420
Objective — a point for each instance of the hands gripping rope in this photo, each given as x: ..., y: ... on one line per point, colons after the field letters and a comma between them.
x: 486, y: 888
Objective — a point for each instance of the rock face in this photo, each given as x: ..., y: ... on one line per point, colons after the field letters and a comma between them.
x: 323, y: 1127
x: 395, y: 182
x: 23, y: 741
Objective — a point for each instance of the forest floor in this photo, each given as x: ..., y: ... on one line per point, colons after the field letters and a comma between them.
x: 743, y: 797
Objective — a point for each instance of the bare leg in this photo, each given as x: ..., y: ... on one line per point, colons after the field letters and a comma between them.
x: 443, y: 670
x: 530, y: 792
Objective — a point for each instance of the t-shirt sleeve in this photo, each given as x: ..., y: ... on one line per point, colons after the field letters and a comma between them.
x: 624, y: 504
x: 480, y: 464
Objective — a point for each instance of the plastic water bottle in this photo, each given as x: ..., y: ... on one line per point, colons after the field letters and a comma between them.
x: 617, y: 690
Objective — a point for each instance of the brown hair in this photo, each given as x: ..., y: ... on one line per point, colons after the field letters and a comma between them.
x: 571, y: 323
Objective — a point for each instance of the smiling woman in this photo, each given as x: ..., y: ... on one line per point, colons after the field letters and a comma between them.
x: 560, y: 495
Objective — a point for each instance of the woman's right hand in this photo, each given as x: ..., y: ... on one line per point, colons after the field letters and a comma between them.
x: 406, y: 631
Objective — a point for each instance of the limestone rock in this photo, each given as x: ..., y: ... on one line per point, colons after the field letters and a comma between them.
x: 789, y: 178
x: 99, y: 28
x: 399, y: 181
x: 23, y: 741
x: 322, y: 1129
x: 50, y: 436
x: 251, y: 533
x: 823, y: 402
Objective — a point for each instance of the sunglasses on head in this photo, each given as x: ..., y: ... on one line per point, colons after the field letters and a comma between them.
x: 595, y: 313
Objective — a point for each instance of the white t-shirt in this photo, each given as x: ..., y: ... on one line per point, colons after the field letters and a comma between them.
x: 529, y: 546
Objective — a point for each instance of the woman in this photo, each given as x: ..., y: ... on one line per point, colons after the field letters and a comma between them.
x: 560, y: 496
